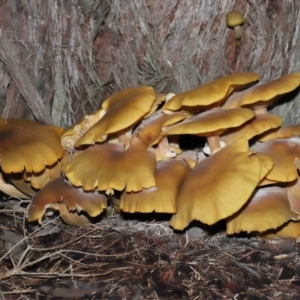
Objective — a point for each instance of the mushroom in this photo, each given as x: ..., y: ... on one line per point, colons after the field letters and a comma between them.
x: 259, y: 124
x: 72, y: 133
x: 150, y: 132
x: 268, y: 208
x: 218, y: 186
x: 290, y: 229
x: 211, y: 124
x: 261, y: 95
x: 9, y: 189
x: 281, y: 133
x: 70, y: 202
x: 28, y: 146
x: 169, y: 176
x: 109, y: 167
x: 285, y: 153
x: 211, y: 94
x: 235, y: 19
x: 122, y: 110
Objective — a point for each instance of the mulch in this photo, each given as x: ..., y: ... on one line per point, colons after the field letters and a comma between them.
x: 139, y: 257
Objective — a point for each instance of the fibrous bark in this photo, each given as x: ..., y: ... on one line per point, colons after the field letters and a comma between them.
x: 76, y: 53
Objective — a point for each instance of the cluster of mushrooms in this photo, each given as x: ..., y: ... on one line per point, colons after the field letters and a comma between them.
x: 246, y: 175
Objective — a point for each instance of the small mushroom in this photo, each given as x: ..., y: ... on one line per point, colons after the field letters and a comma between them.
x: 70, y: 201
x: 235, y: 19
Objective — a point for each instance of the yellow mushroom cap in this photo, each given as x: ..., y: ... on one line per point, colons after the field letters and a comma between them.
x: 259, y: 124
x: 265, y: 93
x: 161, y: 198
x: 289, y: 230
x: 109, y: 167
x: 28, y: 145
x: 75, y: 199
x: 234, y: 18
x: 284, y: 153
x: 211, y: 121
x: 218, y: 186
x: 123, y: 110
x: 268, y: 208
x: 150, y: 130
x: 214, y: 92
x: 281, y: 133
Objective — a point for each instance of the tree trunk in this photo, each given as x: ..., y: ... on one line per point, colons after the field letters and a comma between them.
x: 70, y: 55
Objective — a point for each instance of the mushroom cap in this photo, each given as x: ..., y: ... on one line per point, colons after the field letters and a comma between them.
x: 9, y: 189
x: 281, y: 133
x: 218, y: 186
x: 293, y: 193
x: 289, y: 230
x: 169, y: 176
x: 150, y: 130
x: 234, y: 18
x: 268, y: 208
x: 28, y: 145
x: 212, y: 121
x: 259, y: 124
x: 283, y: 152
x: 109, y: 166
x: 72, y: 133
x: 213, y: 92
x: 265, y: 93
x: 58, y: 191
x: 266, y: 164
x: 123, y: 110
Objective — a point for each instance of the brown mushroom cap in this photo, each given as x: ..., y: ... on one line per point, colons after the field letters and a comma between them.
x: 123, y: 110
x: 28, y: 145
x: 58, y: 192
x: 218, y: 186
x: 257, y: 125
x: 264, y: 94
x: 268, y: 208
x: 214, y: 92
x: 161, y: 198
x: 283, y: 152
x: 109, y: 167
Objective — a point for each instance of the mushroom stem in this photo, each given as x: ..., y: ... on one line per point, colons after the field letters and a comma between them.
x: 259, y: 110
x: 164, y: 148
x: 237, y: 32
x: 213, y: 142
